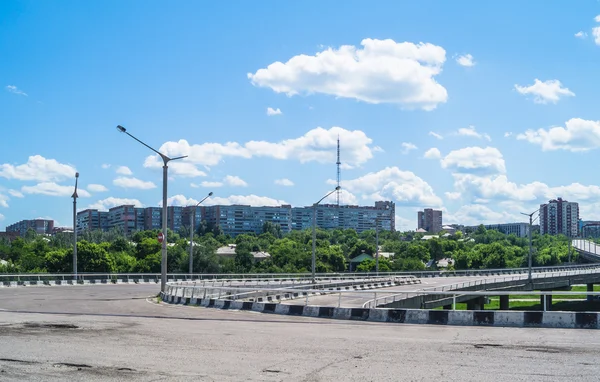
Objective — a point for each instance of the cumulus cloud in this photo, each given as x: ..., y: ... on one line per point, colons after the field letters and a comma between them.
x: 38, y: 169
x: 105, y: 166
x: 383, y: 71
x: 596, y: 34
x: 96, y: 188
x: 208, y: 184
x: 436, y: 135
x: 124, y: 170
x: 391, y: 183
x: 284, y: 182
x: 452, y: 195
x: 126, y: 182
x: 407, y: 147
x: 577, y: 135
x: 3, y: 201
x: 465, y: 60
x: 106, y: 204
x: 252, y: 200
x: 472, y: 132
x: 271, y: 111
x: 433, y: 153
x: 550, y: 91
x: 54, y: 189
x: 318, y: 145
x: 475, y: 160
x: 16, y: 193
x: 581, y: 34
x: 507, y: 134
x: 234, y: 181
x: 15, y: 90
x: 475, y: 214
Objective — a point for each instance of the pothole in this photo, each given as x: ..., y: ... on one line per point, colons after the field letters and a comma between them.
x: 37, y: 325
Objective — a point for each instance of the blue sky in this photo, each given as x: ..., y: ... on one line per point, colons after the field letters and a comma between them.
x: 483, y: 109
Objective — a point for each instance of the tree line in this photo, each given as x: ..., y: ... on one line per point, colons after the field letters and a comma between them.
x: 113, y: 252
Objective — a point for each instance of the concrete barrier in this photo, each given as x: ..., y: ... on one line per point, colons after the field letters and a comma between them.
x: 564, y: 320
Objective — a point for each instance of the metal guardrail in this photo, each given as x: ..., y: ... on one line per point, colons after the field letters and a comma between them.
x: 209, y: 276
x: 464, y: 285
x: 188, y: 292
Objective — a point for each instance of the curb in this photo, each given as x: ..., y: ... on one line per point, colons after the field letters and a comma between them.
x: 489, y: 318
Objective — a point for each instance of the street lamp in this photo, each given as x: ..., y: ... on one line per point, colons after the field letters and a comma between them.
x: 166, y: 160
x: 192, y: 216
x: 377, y: 246
x: 530, y: 244
x: 75, y: 196
x: 314, y: 234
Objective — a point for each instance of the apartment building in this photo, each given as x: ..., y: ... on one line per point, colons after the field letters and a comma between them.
x: 40, y: 226
x: 430, y: 220
x: 238, y: 219
x: 558, y: 217
x: 519, y: 229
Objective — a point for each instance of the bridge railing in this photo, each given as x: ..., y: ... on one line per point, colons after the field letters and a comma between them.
x: 155, y: 277
x: 209, y: 296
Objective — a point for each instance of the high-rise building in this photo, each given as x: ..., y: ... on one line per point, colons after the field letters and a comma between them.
x: 123, y: 217
x: 152, y: 218
x: 90, y: 220
x: 430, y: 220
x: 559, y: 216
x: 175, y: 217
x: 238, y: 219
x: 40, y: 226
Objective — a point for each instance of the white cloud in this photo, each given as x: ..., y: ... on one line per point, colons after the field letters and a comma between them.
x: 211, y: 184
x: 597, y: 19
x: 271, y: 111
x: 545, y: 92
x: 3, y: 201
x: 105, y: 204
x: 577, y: 135
x: 1, y: 217
x: 498, y: 189
x: 97, y: 188
x: 433, y: 153
x: 507, y: 134
x: 581, y: 34
x: 13, y: 89
x: 16, y: 193
x: 284, y: 182
x: 475, y: 160
x: 465, y: 60
x: 436, y: 135
x: 105, y: 166
x: 346, y: 198
x: 38, y: 169
x: 471, y: 132
x: 383, y: 71
x: 234, y: 181
x: 596, y: 34
x: 391, y: 183
x: 133, y: 183
x: 475, y: 214
x: 452, y: 195
x: 407, y: 147
x: 252, y: 200
x: 53, y: 189
x: 318, y: 145
x: 124, y: 170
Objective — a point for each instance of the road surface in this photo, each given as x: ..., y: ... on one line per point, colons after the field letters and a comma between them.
x: 112, y: 332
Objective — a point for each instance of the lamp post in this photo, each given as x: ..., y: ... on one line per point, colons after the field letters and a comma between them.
x: 166, y: 160
x: 314, y: 234
x: 192, y: 216
x: 75, y: 196
x: 377, y: 246
x: 530, y: 243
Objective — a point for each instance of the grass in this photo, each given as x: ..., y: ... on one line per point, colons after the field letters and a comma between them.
x: 533, y: 302
x: 158, y: 299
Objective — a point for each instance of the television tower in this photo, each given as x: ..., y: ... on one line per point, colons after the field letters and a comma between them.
x: 338, y: 163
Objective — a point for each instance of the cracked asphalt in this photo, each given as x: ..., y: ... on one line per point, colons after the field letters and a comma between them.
x: 118, y: 333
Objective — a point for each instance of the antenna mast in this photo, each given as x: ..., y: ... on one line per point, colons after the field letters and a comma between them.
x: 338, y: 163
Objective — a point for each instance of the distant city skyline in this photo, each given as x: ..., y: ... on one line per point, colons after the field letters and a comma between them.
x: 481, y: 126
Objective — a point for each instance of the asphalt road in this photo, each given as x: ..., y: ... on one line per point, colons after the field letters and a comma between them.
x: 112, y: 332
